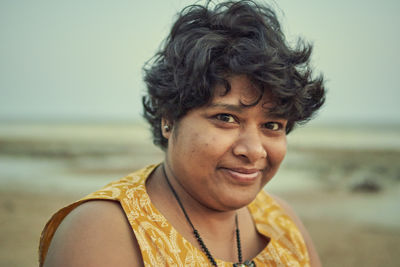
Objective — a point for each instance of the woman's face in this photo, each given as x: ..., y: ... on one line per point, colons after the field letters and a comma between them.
x: 223, y: 154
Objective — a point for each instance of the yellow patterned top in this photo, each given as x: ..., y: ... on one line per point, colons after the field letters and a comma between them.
x: 161, y: 245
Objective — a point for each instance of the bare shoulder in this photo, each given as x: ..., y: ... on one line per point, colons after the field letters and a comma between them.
x: 314, y: 258
x: 96, y: 233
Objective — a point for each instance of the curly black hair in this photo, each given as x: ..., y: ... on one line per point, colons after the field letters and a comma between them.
x: 207, y: 44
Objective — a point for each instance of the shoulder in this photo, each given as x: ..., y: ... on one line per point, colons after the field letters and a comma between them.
x: 96, y: 233
x: 314, y: 258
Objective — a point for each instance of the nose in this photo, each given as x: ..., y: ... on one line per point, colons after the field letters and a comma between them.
x: 250, y: 145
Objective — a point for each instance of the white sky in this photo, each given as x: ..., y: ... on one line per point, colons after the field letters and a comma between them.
x: 81, y: 60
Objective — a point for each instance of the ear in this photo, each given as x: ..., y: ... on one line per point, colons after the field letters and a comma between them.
x: 166, y: 128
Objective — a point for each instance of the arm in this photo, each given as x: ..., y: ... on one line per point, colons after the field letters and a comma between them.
x: 96, y: 233
x: 312, y: 252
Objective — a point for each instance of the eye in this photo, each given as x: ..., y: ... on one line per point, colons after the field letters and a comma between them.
x: 274, y: 126
x: 225, y: 118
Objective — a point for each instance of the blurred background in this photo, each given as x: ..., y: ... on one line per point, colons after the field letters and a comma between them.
x: 70, y: 117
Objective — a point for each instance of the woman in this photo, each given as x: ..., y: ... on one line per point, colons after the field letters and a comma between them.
x: 223, y: 93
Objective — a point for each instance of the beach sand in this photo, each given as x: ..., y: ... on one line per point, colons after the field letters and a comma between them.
x: 346, y: 192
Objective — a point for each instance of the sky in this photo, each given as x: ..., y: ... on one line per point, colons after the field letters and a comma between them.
x: 82, y: 60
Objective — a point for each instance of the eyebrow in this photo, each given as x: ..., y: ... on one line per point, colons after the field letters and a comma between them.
x: 239, y: 109
x: 234, y: 108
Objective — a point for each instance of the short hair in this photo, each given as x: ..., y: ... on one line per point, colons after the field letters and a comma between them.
x: 207, y: 44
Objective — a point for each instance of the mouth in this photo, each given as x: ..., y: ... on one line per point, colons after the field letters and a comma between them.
x: 243, y: 175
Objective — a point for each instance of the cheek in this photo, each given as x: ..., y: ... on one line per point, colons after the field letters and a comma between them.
x: 277, y: 153
x: 193, y: 143
x: 207, y: 147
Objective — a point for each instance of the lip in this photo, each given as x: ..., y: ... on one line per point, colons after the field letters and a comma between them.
x: 243, y: 175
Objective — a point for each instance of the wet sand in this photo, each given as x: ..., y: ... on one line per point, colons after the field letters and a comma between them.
x: 348, y: 196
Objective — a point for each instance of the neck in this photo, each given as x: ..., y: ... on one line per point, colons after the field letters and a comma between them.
x: 190, y: 202
x: 196, y: 210
x: 196, y: 232
x: 216, y: 227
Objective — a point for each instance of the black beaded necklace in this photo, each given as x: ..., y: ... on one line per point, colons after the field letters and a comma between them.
x: 200, y: 240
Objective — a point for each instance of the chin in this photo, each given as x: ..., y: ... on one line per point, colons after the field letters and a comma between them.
x: 238, y: 200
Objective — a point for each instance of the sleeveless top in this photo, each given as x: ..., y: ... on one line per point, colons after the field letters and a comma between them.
x: 161, y: 245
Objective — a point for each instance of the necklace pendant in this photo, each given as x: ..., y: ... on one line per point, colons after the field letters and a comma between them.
x: 245, y: 264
